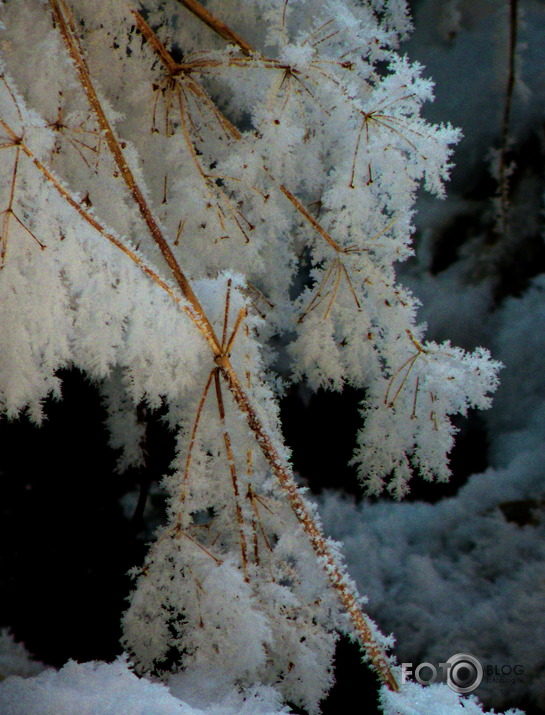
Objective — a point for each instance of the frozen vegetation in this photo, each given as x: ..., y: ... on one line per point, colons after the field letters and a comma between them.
x: 184, y: 221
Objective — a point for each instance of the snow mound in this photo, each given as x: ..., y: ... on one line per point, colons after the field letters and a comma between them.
x: 98, y: 688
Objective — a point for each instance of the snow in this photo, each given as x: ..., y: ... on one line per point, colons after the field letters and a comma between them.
x: 98, y: 688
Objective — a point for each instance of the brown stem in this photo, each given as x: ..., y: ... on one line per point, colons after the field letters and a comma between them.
x: 92, y: 221
x: 185, y: 479
x: 302, y: 210
x: 9, y: 211
x: 166, y: 58
x: 174, y: 68
x: 233, y: 472
x: 217, y: 25
x: 345, y: 590
x: 337, y: 578
x: 66, y: 29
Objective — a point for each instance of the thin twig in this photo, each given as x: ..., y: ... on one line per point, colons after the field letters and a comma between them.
x: 503, y: 187
x: 302, y: 210
x: 65, y: 24
x: 217, y: 25
x: 92, y: 221
x: 233, y: 472
x: 344, y: 588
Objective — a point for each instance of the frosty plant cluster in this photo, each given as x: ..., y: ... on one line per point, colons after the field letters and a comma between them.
x: 180, y: 184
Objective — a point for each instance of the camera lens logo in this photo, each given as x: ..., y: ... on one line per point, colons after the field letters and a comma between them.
x: 464, y: 673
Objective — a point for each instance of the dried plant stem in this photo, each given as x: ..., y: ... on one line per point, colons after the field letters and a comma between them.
x: 63, y: 20
x: 91, y: 220
x: 233, y: 472
x: 302, y: 210
x: 217, y: 25
x: 503, y: 181
x: 250, y: 494
x: 183, y: 491
x: 344, y: 588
